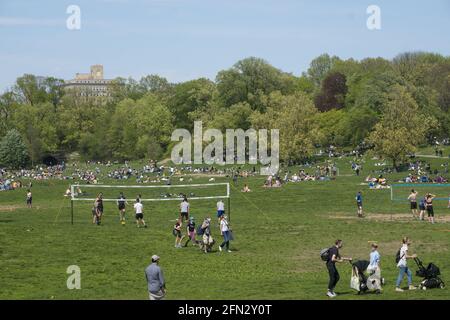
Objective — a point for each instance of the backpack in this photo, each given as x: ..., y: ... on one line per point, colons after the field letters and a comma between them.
x: 325, y: 254
x: 397, y: 256
x: 200, y: 230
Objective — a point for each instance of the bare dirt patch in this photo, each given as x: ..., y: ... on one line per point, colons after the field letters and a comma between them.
x: 400, y: 217
x: 10, y: 208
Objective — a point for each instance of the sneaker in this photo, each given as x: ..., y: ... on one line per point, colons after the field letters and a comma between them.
x: 412, y: 288
x: 399, y: 289
x: 330, y: 294
x: 334, y: 294
x: 220, y: 248
x: 229, y: 250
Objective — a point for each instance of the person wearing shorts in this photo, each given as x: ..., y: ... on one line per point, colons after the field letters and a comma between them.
x: 422, y: 208
x: 177, y: 233
x: 139, y: 214
x: 429, y: 205
x: 190, y: 229
x: 220, y: 208
x: 121, y: 202
x: 29, y: 199
x: 359, y: 204
x: 413, y: 202
x: 98, y: 209
x: 184, y: 210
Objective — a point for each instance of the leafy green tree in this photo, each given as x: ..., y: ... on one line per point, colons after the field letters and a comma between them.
x: 294, y: 116
x: 188, y: 97
x: 319, y: 68
x: 13, y: 151
x: 401, y: 128
x: 249, y: 80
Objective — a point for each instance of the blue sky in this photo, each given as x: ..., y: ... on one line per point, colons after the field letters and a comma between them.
x: 187, y: 39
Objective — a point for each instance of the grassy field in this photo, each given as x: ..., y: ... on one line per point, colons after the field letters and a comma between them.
x: 279, y: 233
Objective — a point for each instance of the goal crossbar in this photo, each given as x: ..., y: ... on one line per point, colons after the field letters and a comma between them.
x: 73, y: 198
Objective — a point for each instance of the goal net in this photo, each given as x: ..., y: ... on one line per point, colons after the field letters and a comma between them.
x: 400, y: 192
x: 149, y: 193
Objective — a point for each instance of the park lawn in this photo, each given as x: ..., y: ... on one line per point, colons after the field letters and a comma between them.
x: 279, y: 233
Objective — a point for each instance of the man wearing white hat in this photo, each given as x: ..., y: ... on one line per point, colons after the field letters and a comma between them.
x: 155, y: 280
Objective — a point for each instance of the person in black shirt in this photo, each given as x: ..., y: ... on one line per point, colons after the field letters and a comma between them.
x: 333, y: 257
x: 121, y: 202
x: 190, y: 228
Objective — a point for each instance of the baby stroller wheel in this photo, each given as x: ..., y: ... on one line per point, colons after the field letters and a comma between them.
x: 442, y: 285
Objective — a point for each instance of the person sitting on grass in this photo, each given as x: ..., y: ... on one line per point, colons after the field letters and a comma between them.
x: 247, y: 189
x: 402, y: 265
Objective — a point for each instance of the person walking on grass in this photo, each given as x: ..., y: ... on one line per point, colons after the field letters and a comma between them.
x: 402, y: 265
x: 220, y: 209
x: 226, y: 233
x: 98, y: 209
x: 190, y: 229
x: 155, y: 280
x: 333, y: 257
x: 184, y: 209
x: 359, y: 204
x: 121, y: 202
x: 139, y: 213
x: 413, y: 202
x: 429, y: 205
x: 177, y: 233
x: 29, y: 199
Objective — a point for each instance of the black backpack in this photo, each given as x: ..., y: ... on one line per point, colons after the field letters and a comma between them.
x: 200, y: 230
x: 397, y: 256
x: 325, y: 254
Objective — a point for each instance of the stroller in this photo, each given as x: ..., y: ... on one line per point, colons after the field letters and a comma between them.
x: 430, y: 276
x: 360, y: 282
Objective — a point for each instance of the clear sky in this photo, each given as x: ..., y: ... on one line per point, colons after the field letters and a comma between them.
x: 187, y: 39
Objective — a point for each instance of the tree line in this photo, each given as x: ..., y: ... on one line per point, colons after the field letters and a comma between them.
x: 393, y: 106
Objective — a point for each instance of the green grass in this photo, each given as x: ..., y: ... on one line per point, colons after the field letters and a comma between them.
x: 279, y: 233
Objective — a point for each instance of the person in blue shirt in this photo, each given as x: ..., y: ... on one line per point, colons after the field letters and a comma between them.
x: 359, y: 204
x: 422, y: 208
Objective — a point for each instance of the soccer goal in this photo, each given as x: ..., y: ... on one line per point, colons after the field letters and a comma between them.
x: 401, y: 191
x: 150, y: 193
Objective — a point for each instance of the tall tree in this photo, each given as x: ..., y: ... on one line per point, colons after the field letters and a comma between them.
x: 332, y: 93
x: 402, y: 127
x: 13, y: 151
x: 249, y: 80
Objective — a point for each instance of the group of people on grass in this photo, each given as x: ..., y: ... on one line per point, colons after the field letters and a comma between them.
x: 207, y: 241
x: 204, y: 230
x: 425, y: 204
x: 374, y: 266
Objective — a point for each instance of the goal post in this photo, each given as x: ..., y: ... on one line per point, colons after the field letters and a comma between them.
x: 151, y: 193
x: 401, y: 191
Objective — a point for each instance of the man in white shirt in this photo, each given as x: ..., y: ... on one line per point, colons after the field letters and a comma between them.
x: 184, y: 209
x: 402, y: 264
x: 220, y: 208
x: 139, y: 211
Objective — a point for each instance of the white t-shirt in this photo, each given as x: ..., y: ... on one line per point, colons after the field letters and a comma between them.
x: 138, y: 207
x: 220, y: 206
x: 403, y: 253
x: 184, y: 206
x: 223, y: 225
